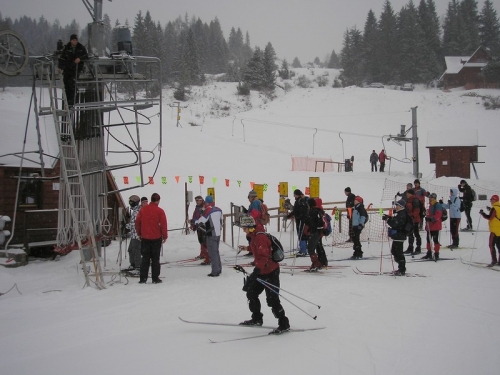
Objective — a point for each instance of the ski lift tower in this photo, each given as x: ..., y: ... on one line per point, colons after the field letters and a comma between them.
x: 402, y: 137
x: 116, y: 96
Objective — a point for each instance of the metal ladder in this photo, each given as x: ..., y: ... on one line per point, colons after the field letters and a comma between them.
x: 71, y: 178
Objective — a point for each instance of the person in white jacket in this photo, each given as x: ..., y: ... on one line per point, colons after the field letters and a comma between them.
x: 453, y: 207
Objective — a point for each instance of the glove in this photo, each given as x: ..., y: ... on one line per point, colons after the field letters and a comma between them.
x: 440, y: 201
x: 385, y: 217
x: 428, y: 219
x: 252, y: 278
x: 360, y: 227
x: 481, y: 211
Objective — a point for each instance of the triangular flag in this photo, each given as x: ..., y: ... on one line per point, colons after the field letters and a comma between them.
x: 151, y: 181
x: 125, y: 180
x: 239, y: 183
x: 164, y: 180
x: 227, y: 182
x: 177, y: 179
x: 251, y: 185
x: 190, y: 179
x: 214, y: 180
x: 265, y: 187
x: 138, y: 179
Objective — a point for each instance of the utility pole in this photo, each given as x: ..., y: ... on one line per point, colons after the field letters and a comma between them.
x: 178, y: 105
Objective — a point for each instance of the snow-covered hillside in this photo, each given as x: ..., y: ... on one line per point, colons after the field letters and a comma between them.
x: 443, y: 323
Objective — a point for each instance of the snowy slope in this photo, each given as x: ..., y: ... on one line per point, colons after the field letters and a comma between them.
x: 440, y: 324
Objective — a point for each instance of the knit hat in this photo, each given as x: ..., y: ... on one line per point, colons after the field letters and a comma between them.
x: 401, y: 203
x: 433, y: 196
x: 73, y: 36
x: 463, y: 182
x: 155, y: 197
x: 347, y: 189
x: 209, y: 199
x: 297, y: 192
x: 134, y: 198
x: 144, y: 199
x: 494, y: 198
x: 252, y: 194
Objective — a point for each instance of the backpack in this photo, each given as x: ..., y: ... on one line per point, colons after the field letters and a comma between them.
x: 462, y: 207
x: 444, y: 216
x: 327, y: 228
x: 278, y: 254
x: 473, y: 194
x: 265, y: 218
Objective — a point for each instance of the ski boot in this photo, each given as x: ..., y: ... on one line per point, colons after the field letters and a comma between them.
x: 428, y: 255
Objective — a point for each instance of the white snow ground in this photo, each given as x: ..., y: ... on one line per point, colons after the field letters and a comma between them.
x: 445, y: 323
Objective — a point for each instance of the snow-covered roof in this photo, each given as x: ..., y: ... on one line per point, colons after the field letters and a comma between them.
x: 454, y: 64
x: 452, y: 138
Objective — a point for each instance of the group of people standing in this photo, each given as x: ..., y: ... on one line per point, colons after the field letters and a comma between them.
x: 380, y: 158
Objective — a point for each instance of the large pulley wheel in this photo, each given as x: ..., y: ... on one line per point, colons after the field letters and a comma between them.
x: 13, y: 53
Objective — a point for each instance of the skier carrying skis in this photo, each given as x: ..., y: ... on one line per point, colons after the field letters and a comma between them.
x: 267, y: 272
x: 398, y: 235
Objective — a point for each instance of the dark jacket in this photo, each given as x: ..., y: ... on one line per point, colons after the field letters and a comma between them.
x: 373, y: 157
x: 398, y: 223
x: 467, y: 194
x: 300, y: 209
x: 315, y: 220
x: 69, y: 55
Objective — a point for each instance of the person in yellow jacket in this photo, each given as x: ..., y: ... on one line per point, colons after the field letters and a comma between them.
x: 494, y: 223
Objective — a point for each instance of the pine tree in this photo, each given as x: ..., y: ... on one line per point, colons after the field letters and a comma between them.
x: 489, y: 29
x: 432, y: 50
x: 296, y: 63
x: 350, y: 58
x: 454, y: 34
x: 412, y: 53
x: 371, y: 35
x: 334, y: 62
x: 269, y: 67
x: 284, y: 73
x: 470, y: 17
x: 254, y: 75
x: 388, y: 44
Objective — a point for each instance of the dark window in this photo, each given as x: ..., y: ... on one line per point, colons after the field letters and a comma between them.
x: 31, y: 193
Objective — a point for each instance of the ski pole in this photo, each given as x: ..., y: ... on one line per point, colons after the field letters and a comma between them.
x: 286, y: 299
x: 474, y: 243
x: 265, y: 283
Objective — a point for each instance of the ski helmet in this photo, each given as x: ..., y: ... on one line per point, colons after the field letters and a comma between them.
x: 494, y: 198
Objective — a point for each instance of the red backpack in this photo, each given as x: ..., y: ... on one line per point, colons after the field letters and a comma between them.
x: 265, y: 218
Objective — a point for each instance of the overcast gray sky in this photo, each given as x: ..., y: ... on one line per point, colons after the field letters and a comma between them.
x: 302, y: 28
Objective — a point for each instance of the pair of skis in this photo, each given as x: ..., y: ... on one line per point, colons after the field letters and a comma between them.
x: 292, y: 330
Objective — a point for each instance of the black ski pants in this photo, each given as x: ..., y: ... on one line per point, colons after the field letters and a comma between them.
x: 150, y: 251
x: 397, y: 253
x: 272, y: 297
